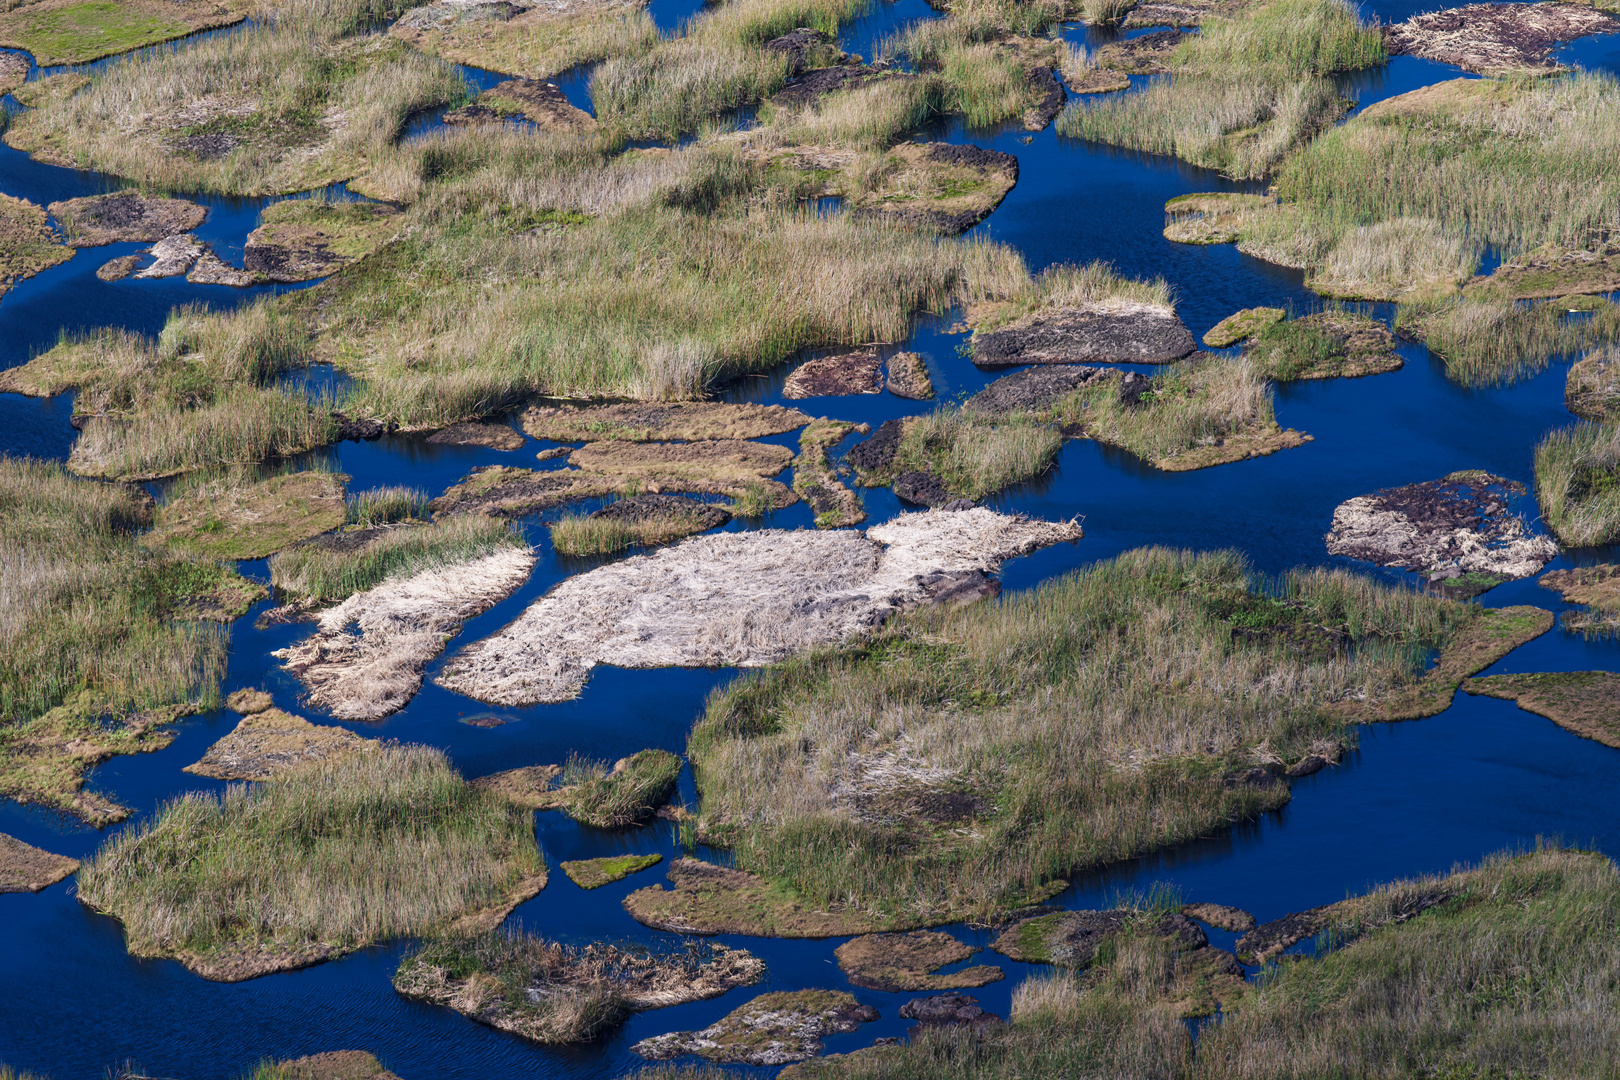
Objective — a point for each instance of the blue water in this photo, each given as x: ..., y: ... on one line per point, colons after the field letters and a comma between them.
x: 1415, y: 797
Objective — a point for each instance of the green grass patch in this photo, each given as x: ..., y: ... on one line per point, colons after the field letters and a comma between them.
x: 1099, y: 716
x: 594, y: 873
x: 1578, y: 483
x: 319, y: 862
x: 627, y: 795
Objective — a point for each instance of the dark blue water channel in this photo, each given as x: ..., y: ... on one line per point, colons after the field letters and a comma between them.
x: 1413, y: 798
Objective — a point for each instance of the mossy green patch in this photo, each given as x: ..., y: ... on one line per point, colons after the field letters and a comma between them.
x: 1585, y: 702
x: 594, y: 873
x: 236, y: 516
x: 1242, y: 325
x: 77, y: 31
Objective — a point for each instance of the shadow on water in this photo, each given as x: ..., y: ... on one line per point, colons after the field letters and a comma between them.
x: 1415, y: 797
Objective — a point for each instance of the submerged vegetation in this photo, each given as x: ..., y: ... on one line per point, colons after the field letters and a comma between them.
x: 965, y: 757
x: 319, y: 862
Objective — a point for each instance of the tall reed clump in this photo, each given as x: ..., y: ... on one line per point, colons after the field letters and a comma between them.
x: 580, y: 312
x: 319, y: 573
x: 388, y: 505
x: 204, y: 393
x: 1499, y: 342
x: 1514, y: 164
x: 333, y: 856
x: 1245, y: 91
x: 1095, y: 285
x: 1511, y: 975
x: 87, y: 618
x: 1578, y: 483
x: 982, y: 76
x: 628, y: 794
x: 1198, y: 403
x: 714, y: 65
x: 298, y: 100
x: 971, y: 456
x: 1099, y: 716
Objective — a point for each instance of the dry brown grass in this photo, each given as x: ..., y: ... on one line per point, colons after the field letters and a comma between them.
x: 322, y: 861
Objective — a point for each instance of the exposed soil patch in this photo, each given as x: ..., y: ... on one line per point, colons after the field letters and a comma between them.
x: 492, y: 436
x: 773, y: 1029
x: 1242, y: 325
x: 1221, y: 917
x: 1145, y: 55
x: 1326, y: 345
x: 1592, y: 389
x: 1044, y: 80
x: 1553, y: 270
x: 743, y: 599
x: 733, y: 467
x: 25, y: 868
x: 1349, y: 917
x: 940, y: 186
x: 874, y: 455
x: 230, y: 518
x: 922, y: 488
x: 894, y: 962
x: 692, y: 514
x: 305, y: 239
x: 1099, y: 80
x: 1035, y: 389
x: 366, y: 657
x: 856, y: 372
x: 270, y: 742
x: 535, y: 100
x: 124, y: 217
x: 801, y: 46
x: 550, y: 993
x: 594, y: 873
x: 908, y: 377
x: 948, y: 1010
x: 658, y: 422
x: 1585, y: 702
x: 816, y: 84
x: 1124, y: 333
x: 28, y: 244
x: 709, y: 899
x: 1457, y: 531
x: 1497, y: 39
x: 333, y: 1065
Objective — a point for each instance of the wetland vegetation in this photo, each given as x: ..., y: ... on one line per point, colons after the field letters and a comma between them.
x: 705, y: 214
x: 321, y: 861
x: 946, y: 766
